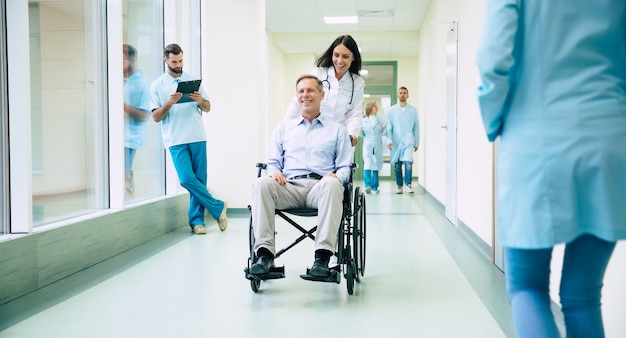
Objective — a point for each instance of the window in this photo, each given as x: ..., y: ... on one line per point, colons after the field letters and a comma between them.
x: 67, y: 109
x: 143, y: 62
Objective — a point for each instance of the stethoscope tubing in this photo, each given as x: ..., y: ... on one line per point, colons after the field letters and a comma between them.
x: 351, y: 93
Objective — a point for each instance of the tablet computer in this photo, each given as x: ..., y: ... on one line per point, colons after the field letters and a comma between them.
x: 187, y: 87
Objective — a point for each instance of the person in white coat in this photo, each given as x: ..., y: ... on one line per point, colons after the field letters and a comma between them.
x: 404, y: 131
x: 338, y: 69
x: 374, y: 127
x: 554, y: 92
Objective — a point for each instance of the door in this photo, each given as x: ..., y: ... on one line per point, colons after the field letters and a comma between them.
x: 450, y: 127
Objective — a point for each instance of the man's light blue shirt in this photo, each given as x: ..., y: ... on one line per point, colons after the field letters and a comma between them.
x: 298, y: 147
x: 183, y: 124
x: 136, y: 94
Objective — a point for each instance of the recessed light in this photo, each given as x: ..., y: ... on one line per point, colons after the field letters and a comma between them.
x: 332, y: 20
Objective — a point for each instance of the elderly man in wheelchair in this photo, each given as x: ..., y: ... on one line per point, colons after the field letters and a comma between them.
x: 308, y: 163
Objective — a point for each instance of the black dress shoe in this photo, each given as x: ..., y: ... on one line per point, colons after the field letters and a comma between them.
x: 262, y: 265
x: 319, y: 268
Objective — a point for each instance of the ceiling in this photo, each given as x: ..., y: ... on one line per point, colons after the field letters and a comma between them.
x: 386, y: 28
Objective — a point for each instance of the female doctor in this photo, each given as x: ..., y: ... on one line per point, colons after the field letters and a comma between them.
x: 338, y: 69
x: 554, y: 93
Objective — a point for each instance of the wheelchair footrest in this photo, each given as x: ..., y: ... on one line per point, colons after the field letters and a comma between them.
x: 276, y: 272
x: 333, y: 277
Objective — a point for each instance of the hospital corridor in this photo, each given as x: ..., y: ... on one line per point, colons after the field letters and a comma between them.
x: 130, y: 129
x: 421, y: 279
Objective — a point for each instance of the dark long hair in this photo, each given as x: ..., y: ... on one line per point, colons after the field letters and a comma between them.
x: 326, y: 60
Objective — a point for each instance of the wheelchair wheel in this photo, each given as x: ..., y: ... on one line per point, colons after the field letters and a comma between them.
x: 255, y: 284
x: 358, y: 235
x: 355, y: 234
x: 350, y: 275
x: 361, y: 236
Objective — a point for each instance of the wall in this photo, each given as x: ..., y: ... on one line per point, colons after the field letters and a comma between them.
x: 36, y: 260
x: 474, y: 162
x: 235, y: 68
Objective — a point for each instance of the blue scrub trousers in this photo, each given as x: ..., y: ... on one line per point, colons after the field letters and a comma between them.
x: 528, y: 281
x: 370, y: 179
x: 408, y: 172
x: 129, y: 157
x: 190, y: 161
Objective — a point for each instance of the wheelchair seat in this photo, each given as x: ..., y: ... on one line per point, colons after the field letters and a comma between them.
x: 350, y: 244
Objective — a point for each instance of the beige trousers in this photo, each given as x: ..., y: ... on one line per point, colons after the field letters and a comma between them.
x: 326, y: 195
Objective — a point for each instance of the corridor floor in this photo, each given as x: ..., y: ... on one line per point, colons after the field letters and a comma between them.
x: 422, y: 279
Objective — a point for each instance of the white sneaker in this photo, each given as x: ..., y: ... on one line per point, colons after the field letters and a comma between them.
x: 222, y: 221
x: 408, y: 189
x: 375, y: 192
x: 199, y: 229
x: 368, y: 190
x: 399, y: 190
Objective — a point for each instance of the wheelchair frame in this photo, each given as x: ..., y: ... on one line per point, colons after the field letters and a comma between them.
x: 350, y: 240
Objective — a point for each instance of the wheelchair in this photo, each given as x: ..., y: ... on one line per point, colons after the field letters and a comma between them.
x: 350, y: 240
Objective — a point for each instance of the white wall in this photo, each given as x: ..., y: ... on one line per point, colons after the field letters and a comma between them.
x: 235, y: 67
x: 293, y: 65
x: 474, y: 153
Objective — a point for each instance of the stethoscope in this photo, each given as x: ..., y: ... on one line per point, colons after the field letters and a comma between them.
x: 351, y: 93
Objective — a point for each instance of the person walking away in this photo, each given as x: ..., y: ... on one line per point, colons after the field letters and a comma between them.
x: 373, y: 131
x: 553, y: 91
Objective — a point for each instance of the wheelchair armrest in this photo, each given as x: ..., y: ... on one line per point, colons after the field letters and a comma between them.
x: 261, y: 167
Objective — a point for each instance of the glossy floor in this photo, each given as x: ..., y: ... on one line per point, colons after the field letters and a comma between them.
x: 422, y: 279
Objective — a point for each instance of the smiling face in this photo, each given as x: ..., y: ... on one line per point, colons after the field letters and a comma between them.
x: 342, y: 59
x: 309, y: 94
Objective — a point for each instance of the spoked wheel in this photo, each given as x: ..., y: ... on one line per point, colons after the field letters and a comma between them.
x: 361, y: 237
x: 358, y: 236
x: 355, y: 234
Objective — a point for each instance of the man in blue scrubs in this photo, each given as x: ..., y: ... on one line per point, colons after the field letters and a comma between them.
x: 183, y: 134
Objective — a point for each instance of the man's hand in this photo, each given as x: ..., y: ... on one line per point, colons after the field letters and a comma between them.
x: 389, y: 146
x: 196, y: 96
x: 278, y: 177
x: 354, y: 140
x: 174, y: 97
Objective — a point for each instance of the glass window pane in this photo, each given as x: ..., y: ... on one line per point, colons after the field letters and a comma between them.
x: 143, y: 148
x: 68, y: 109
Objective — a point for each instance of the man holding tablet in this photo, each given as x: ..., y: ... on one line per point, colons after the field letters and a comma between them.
x: 183, y: 134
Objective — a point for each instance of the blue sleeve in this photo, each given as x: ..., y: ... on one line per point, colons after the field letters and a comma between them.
x: 344, y: 155
x: 275, y: 151
x: 496, y: 61
x: 416, y: 131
